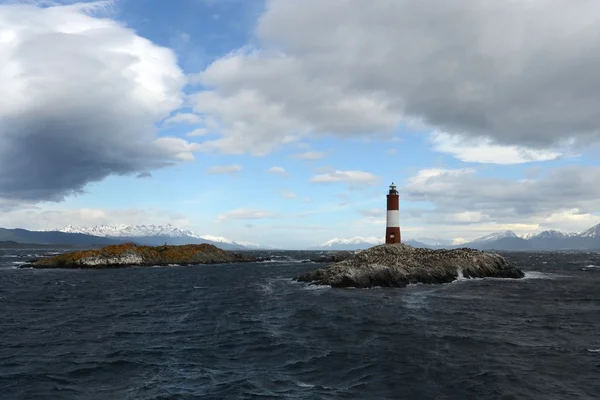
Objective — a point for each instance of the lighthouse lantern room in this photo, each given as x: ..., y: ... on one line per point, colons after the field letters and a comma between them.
x: 392, y: 230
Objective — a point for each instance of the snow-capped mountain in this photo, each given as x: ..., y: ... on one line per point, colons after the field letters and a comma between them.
x: 355, y: 240
x: 122, y: 230
x: 551, y: 234
x: 354, y: 243
x: 361, y: 243
x: 546, y: 240
x: 527, y: 236
x: 495, y: 236
x: 592, y: 233
x: 435, y: 242
x: 155, y: 235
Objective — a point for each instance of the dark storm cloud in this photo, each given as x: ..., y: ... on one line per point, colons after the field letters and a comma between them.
x: 79, y: 99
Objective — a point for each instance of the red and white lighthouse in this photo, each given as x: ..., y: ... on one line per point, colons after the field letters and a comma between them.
x: 392, y: 229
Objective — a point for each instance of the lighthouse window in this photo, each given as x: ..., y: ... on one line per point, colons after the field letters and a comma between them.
x: 392, y: 236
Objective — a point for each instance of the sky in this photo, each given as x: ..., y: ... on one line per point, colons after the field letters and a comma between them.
x: 283, y: 122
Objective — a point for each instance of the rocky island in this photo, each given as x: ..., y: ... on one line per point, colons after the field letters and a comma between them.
x: 397, y: 265
x: 130, y: 254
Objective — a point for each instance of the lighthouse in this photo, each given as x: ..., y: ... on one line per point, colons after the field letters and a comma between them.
x: 392, y: 229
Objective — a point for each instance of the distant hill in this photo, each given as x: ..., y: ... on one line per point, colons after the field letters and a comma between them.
x: 550, y: 240
x: 10, y: 244
x: 102, y: 235
x: 53, y: 238
x: 359, y: 243
x: 156, y: 235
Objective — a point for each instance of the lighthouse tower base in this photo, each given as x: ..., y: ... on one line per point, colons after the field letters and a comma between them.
x: 392, y: 235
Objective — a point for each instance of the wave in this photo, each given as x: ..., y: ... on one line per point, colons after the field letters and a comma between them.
x: 286, y: 261
x: 314, y: 287
x: 594, y: 350
x: 543, y: 275
x: 591, y: 266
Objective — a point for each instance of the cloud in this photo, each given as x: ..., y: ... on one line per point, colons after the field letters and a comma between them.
x: 516, y: 72
x: 483, y: 150
x: 372, y: 213
x: 464, y: 196
x: 224, y: 169
x: 243, y: 213
x: 48, y: 218
x: 310, y: 155
x: 183, y: 118
x: 352, y: 177
x: 288, y: 194
x: 80, y: 97
x: 142, y: 175
x: 279, y: 171
x: 197, y: 132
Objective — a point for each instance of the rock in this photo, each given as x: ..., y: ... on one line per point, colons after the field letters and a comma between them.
x: 333, y: 257
x: 130, y: 254
x: 397, y: 265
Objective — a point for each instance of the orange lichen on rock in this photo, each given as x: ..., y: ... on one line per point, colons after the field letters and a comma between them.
x: 128, y: 254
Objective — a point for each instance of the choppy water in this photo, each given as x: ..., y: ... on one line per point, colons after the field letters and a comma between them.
x: 247, y: 331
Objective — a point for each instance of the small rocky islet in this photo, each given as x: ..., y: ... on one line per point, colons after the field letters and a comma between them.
x: 131, y: 254
x: 397, y: 265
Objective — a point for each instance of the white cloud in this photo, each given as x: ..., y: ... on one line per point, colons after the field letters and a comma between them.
x: 179, y: 148
x: 279, y: 171
x: 570, y: 220
x: 310, y: 155
x: 184, y: 118
x: 548, y: 200
x: 288, y: 194
x: 426, y: 176
x: 352, y: 177
x: 224, y: 169
x: 80, y: 96
x: 197, y: 132
x: 372, y: 213
x: 483, y: 150
x: 244, y: 213
x: 49, y: 218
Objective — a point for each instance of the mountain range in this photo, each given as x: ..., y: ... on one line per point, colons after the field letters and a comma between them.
x: 154, y: 235
x: 101, y: 235
x: 549, y: 240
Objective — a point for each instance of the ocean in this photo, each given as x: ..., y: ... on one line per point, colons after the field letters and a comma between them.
x: 247, y: 331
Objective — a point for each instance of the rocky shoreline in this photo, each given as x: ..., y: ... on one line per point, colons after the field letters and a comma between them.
x: 397, y: 265
x: 130, y: 254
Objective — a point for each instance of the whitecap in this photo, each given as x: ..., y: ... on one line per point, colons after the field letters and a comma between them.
x: 461, y: 276
x: 304, y: 385
x: 316, y: 287
x: 594, y: 350
x: 542, y: 275
x: 266, y: 288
